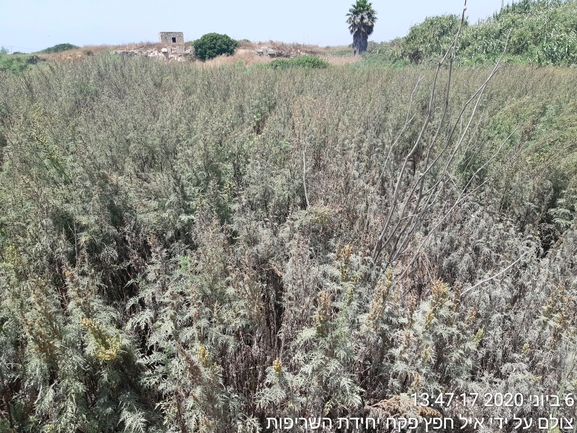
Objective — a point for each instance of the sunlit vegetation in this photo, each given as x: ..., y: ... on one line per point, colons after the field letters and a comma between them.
x: 541, y: 32
x: 310, y: 62
x: 213, y: 45
x: 195, y: 248
x: 17, y: 62
x: 59, y: 48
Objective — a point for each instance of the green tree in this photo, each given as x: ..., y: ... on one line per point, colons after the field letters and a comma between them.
x: 59, y: 48
x: 431, y: 38
x: 361, y: 20
x: 212, y: 45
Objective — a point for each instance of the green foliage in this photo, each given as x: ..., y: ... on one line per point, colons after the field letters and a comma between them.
x: 17, y: 63
x: 303, y: 243
x: 212, y: 45
x: 59, y: 48
x: 309, y: 62
x: 538, y: 32
x: 431, y: 38
x: 361, y: 19
x: 384, y: 54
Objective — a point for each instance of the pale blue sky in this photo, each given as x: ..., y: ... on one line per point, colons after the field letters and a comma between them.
x: 32, y: 25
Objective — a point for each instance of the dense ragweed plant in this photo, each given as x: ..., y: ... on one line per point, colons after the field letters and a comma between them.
x: 200, y: 249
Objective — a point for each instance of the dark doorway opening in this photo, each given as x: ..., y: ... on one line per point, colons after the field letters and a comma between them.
x: 174, y: 40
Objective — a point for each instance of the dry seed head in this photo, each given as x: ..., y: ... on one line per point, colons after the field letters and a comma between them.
x: 479, y: 336
x: 346, y: 252
x: 323, y: 313
x: 456, y: 295
x: 277, y: 366
x: 471, y: 317
x: 439, y: 295
x: 349, y: 295
x: 203, y: 355
x: 11, y: 255
x: 389, y: 277
x: 439, y: 292
x: 426, y: 356
x: 378, y: 303
x: 415, y: 384
x: 108, y: 346
x: 343, y: 256
x: 429, y: 319
x: 412, y: 306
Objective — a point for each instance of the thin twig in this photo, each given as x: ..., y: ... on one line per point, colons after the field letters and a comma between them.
x: 304, y: 175
x: 492, y: 277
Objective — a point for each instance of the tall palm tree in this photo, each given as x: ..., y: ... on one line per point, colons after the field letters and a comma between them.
x: 361, y: 20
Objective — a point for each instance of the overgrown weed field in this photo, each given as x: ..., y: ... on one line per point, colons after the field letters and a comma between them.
x: 199, y: 249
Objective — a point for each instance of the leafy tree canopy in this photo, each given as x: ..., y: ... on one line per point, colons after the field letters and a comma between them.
x: 362, y: 17
x: 361, y: 20
x: 430, y: 38
x: 59, y: 48
x: 212, y: 45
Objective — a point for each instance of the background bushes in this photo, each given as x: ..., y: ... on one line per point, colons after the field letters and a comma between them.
x: 212, y: 45
x: 311, y: 62
x: 59, y: 48
x: 539, y: 32
x: 431, y: 38
x: 16, y: 63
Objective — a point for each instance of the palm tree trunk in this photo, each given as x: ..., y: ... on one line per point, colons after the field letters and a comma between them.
x: 359, y: 42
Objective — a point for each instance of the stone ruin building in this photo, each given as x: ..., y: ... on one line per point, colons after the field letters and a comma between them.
x: 173, y: 48
x: 174, y: 41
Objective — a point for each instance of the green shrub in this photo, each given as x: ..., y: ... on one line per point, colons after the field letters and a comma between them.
x: 311, y: 62
x: 531, y: 31
x: 431, y: 38
x: 198, y: 249
x: 16, y: 63
x: 541, y: 32
x: 384, y: 53
x: 212, y: 45
x: 59, y: 48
